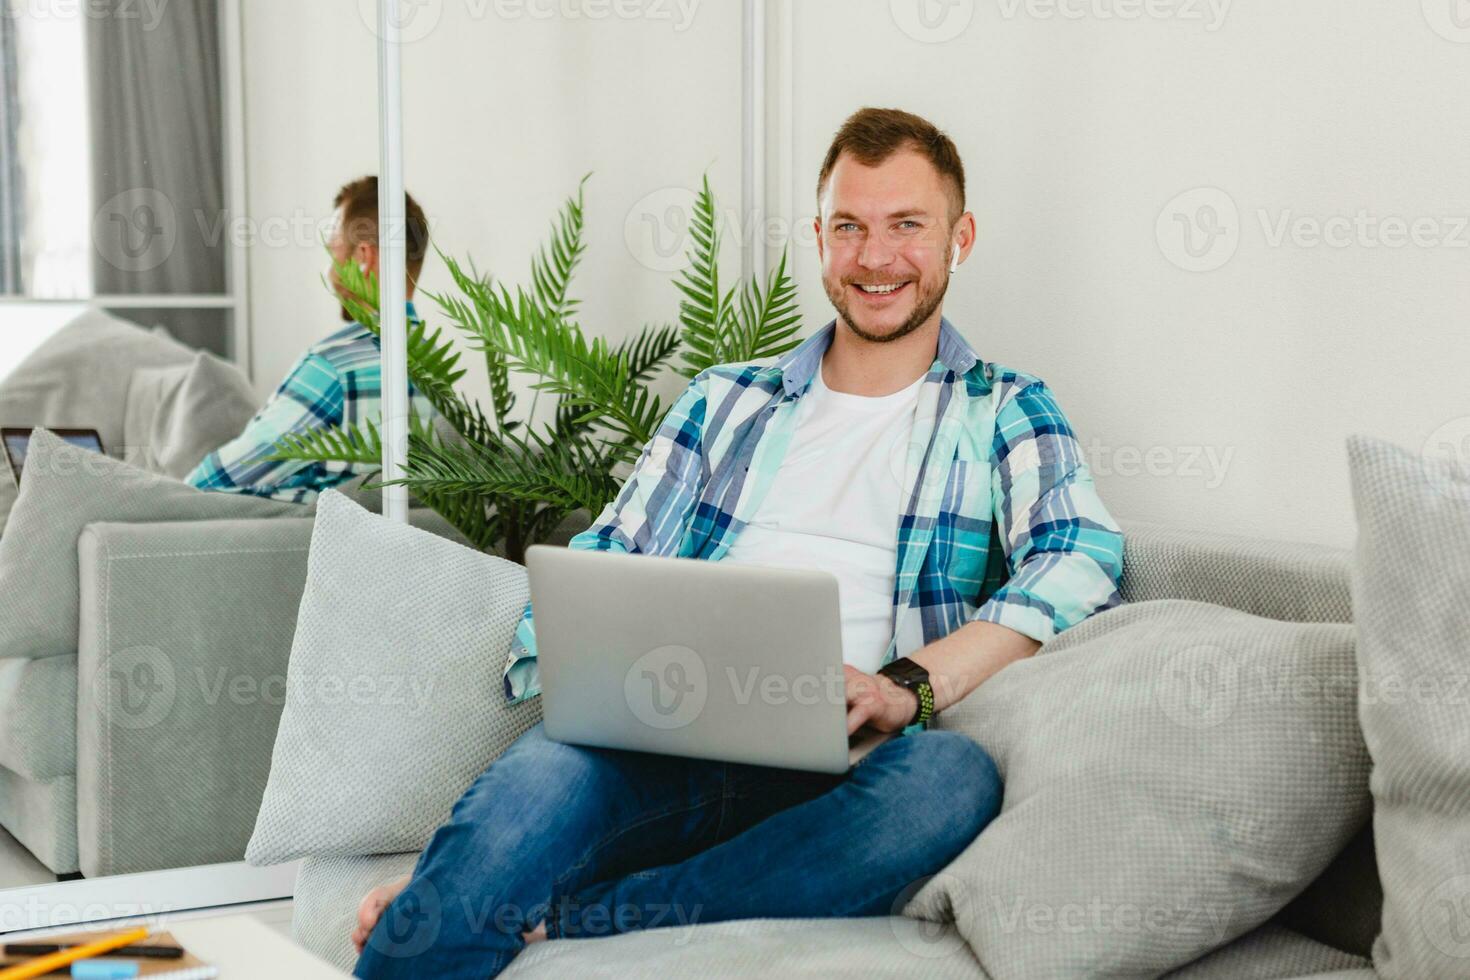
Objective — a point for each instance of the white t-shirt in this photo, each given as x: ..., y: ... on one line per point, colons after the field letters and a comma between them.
x: 834, y: 506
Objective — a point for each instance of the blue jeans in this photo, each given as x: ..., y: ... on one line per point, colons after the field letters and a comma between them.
x: 599, y: 841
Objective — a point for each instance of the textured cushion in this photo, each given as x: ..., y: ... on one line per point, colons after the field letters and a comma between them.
x: 63, y: 489
x: 1301, y: 583
x: 38, y: 716
x: 400, y: 633
x: 176, y: 415
x: 43, y: 817
x: 1411, y: 583
x: 328, y: 891
x: 1174, y: 773
x: 79, y: 378
x: 1273, y: 953
x: 818, y: 949
x: 1279, y: 580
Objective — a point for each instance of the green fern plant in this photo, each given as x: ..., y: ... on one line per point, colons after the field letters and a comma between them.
x: 501, y: 482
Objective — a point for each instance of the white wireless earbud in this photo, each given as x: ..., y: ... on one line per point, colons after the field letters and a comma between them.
x: 362, y: 267
x: 954, y: 260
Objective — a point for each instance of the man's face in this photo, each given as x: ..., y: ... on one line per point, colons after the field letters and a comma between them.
x: 341, y: 252
x: 884, y: 236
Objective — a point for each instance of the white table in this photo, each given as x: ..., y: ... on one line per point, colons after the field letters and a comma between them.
x: 244, y: 947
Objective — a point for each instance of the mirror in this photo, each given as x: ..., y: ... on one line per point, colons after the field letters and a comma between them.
x: 121, y: 264
x: 134, y: 131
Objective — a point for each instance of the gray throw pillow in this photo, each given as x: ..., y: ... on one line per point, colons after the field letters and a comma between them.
x: 393, y: 690
x: 1174, y: 773
x: 1411, y: 599
x: 63, y: 489
x: 177, y: 415
x: 78, y: 379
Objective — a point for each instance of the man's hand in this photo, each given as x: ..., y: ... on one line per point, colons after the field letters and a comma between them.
x: 876, y: 701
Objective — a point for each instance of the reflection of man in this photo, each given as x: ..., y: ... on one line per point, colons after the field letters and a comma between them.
x: 947, y: 494
x: 337, y: 381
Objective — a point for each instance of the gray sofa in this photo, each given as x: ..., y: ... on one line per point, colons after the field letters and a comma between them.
x: 1328, y: 929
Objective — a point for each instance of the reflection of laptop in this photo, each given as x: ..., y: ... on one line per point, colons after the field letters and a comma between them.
x: 17, y: 440
x: 693, y: 658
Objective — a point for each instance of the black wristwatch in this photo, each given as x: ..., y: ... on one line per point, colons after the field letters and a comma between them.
x: 910, y: 676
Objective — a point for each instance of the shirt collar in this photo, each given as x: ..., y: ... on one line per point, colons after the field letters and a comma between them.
x: 354, y: 328
x: 800, y: 366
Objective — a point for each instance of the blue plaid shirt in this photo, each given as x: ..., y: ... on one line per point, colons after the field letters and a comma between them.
x: 338, y: 380
x: 1001, y: 523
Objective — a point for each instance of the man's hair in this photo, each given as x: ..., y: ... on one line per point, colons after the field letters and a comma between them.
x: 359, y: 203
x: 871, y: 136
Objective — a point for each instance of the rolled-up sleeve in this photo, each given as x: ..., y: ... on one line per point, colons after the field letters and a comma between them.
x: 650, y: 515
x: 1064, y: 551
x: 310, y: 398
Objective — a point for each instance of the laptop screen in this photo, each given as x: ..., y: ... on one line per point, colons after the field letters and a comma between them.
x: 17, y: 440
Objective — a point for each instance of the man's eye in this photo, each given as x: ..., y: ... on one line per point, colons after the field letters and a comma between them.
x: 908, y: 224
x: 847, y: 226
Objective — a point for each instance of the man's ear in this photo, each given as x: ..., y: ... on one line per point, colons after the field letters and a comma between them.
x: 964, y: 234
x: 365, y: 254
x: 817, y: 227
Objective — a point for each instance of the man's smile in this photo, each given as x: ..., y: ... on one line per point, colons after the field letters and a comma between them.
x: 880, y: 293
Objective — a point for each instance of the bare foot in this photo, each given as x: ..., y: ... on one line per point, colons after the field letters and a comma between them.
x: 375, y: 901
x: 373, y: 904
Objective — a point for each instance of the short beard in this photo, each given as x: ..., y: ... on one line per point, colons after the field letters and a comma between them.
x: 923, y: 310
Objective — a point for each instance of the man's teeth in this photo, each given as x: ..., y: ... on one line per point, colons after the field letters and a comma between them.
x: 890, y: 287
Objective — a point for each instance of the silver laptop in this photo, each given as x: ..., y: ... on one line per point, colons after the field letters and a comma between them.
x: 710, y: 660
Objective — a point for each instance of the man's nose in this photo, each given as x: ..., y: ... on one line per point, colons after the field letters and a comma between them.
x: 876, y: 252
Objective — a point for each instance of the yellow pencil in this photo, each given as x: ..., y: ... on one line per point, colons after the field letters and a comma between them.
x: 49, y: 962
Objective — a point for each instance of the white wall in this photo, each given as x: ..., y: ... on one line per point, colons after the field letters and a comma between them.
x: 1219, y: 397
x: 504, y: 112
x: 1078, y: 132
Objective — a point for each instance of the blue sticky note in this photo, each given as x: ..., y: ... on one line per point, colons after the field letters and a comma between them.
x: 104, y: 969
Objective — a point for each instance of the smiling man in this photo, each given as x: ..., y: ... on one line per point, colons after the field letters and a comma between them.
x: 949, y: 497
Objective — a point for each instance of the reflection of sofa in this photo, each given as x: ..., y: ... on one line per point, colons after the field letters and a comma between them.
x: 158, y: 731
x: 147, y: 744
x: 1328, y: 927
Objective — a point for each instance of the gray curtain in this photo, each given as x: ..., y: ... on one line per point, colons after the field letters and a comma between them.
x: 157, y: 149
x: 12, y: 192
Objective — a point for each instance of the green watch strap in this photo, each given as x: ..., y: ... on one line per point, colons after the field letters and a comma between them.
x: 925, y: 694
